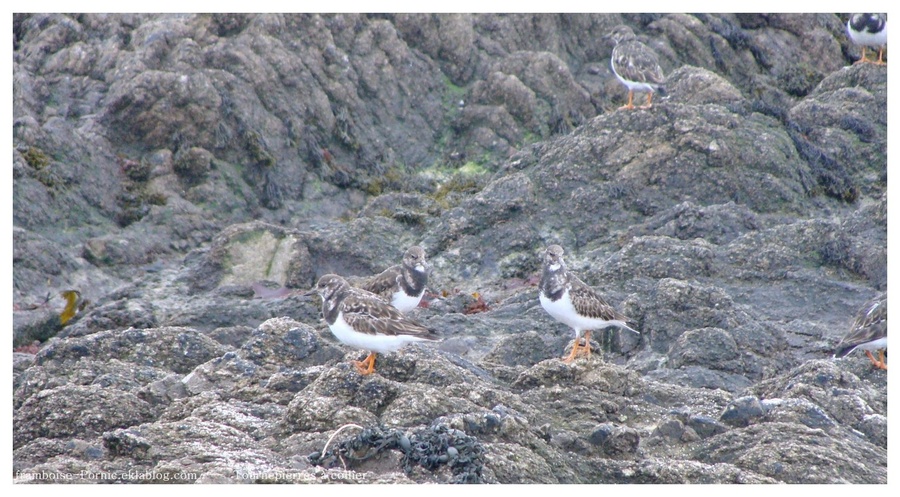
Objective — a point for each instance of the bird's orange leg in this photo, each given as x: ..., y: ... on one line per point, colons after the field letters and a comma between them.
x: 880, y: 364
x: 367, y: 365
x: 571, y: 357
x: 872, y: 358
x: 584, y: 349
x: 863, y: 60
x: 649, y: 101
x: 629, y: 105
x: 881, y: 61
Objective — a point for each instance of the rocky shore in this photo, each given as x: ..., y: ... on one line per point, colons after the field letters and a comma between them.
x: 191, y: 176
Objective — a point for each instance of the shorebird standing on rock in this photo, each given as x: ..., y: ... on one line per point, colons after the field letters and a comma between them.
x: 636, y: 65
x: 869, y: 332
x: 868, y: 30
x: 361, y: 319
x: 571, y: 302
x: 402, y: 285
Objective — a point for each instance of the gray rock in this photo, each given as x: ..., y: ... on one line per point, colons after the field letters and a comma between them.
x: 152, y: 445
x: 701, y: 377
x: 522, y: 349
x: 76, y: 411
x: 705, y: 426
x: 284, y: 343
x: 21, y: 361
x: 118, y: 314
x: 840, y: 460
x: 672, y: 429
x: 840, y: 123
x: 110, y: 373
x: 164, y: 390
x: 717, y: 224
x: 710, y: 347
x: 177, y: 349
x: 743, y: 411
x: 833, y: 394
x: 616, y: 441
x: 874, y: 426
x: 231, y: 336
x: 43, y: 449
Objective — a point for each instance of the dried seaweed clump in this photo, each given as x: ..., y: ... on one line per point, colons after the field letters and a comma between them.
x: 430, y: 448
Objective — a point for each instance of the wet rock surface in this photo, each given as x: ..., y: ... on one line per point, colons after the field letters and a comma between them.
x: 193, y: 175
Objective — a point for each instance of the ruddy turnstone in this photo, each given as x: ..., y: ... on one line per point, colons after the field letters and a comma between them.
x: 869, y: 332
x: 570, y: 301
x: 636, y: 65
x: 361, y: 319
x: 868, y: 30
x: 404, y: 284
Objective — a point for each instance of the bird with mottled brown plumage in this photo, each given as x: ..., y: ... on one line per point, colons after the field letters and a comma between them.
x: 363, y: 320
x: 868, y: 332
x: 636, y: 66
x: 402, y: 285
x: 572, y: 302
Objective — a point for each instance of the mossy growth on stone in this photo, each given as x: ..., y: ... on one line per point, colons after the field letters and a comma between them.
x: 798, y: 80
x: 131, y: 208
x: 135, y: 170
x: 258, y: 151
x: 391, y: 180
x: 471, y: 168
x: 193, y: 165
x: 40, y: 162
x: 135, y: 205
x: 153, y: 198
x: 50, y: 178
x: 454, y: 95
x: 467, y: 180
x: 36, y: 158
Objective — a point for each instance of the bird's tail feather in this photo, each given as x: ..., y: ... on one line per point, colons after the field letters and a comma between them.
x: 843, y: 351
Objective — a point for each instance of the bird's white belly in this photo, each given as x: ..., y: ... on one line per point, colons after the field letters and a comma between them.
x: 869, y: 39
x: 635, y: 85
x: 563, y: 311
x: 373, y: 343
x: 404, y: 303
x: 879, y: 344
